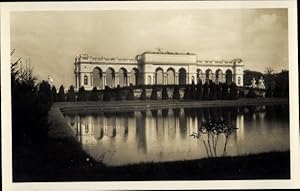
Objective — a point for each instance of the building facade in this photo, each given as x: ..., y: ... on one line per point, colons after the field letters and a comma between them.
x: 149, y: 68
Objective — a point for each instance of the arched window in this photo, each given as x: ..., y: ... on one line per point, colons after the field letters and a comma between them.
x: 135, y: 75
x: 219, y: 76
x: 159, y: 76
x: 228, y: 77
x: 110, y: 77
x: 123, y: 77
x: 209, y: 74
x: 239, y: 80
x: 199, y: 75
x: 182, y: 76
x: 171, y: 76
x: 97, y: 78
x: 85, y: 79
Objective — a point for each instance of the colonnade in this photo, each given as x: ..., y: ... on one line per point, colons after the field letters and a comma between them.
x: 113, y: 78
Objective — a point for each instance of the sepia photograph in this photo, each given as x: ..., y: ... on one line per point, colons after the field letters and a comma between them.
x: 123, y: 94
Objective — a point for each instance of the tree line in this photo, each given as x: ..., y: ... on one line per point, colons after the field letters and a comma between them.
x: 277, y: 84
x: 207, y: 91
x: 30, y: 105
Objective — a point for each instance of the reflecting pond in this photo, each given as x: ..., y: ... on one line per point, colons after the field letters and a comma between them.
x: 165, y: 134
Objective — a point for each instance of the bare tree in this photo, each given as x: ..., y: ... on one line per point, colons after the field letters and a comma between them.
x: 20, y: 73
x: 269, y: 70
x: 209, y: 133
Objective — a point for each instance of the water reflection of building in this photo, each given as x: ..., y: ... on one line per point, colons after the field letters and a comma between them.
x: 85, y: 130
x: 150, y: 131
x: 141, y: 137
x: 240, y: 127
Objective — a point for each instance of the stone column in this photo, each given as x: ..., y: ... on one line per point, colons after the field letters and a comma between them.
x: 213, y: 77
x: 224, y: 77
x: 165, y: 79
x: 116, y: 79
x: 176, y: 78
x: 103, y: 80
x: 92, y: 82
x: 128, y: 78
x: 79, y: 79
x: 76, y: 80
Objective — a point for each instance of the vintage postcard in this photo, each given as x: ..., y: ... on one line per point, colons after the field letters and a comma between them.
x: 149, y: 95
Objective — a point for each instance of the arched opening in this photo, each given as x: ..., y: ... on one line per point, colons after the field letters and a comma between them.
x: 97, y: 78
x: 149, y: 80
x: 208, y: 74
x: 199, y: 75
x: 110, y: 77
x: 182, y: 76
x: 219, y: 76
x: 171, y: 76
x: 228, y: 77
x: 159, y: 76
x: 135, y: 76
x: 123, y: 77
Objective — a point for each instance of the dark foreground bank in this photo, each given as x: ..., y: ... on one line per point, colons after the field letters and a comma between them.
x: 274, y: 165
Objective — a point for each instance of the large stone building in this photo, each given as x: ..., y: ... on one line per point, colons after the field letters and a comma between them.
x: 164, y: 68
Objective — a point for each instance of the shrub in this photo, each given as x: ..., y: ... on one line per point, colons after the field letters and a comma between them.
x: 154, y: 93
x: 233, y: 91
x: 165, y: 93
x: 218, y: 91
x: 107, y: 94
x: 241, y: 93
x: 94, y: 95
x: 212, y: 93
x: 206, y: 91
x: 81, y: 94
x: 193, y: 91
x: 199, y: 90
x: 44, y: 97
x: 30, y: 105
x: 187, y: 93
x: 118, y: 93
x: 130, y: 95
x: 176, y: 93
x: 251, y: 93
x: 61, y: 94
x: 143, y: 95
x: 71, y: 94
x: 269, y: 92
x: 54, y: 94
x: 43, y: 106
x: 224, y: 91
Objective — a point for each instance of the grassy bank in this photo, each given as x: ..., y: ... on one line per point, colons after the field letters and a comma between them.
x: 274, y: 165
x: 134, y: 105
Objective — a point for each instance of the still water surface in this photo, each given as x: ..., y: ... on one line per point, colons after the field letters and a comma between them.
x: 165, y: 135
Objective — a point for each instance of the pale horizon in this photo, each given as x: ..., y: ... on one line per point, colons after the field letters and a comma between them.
x: 51, y: 40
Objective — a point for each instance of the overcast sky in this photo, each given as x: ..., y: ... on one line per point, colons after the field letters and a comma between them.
x: 52, y: 39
